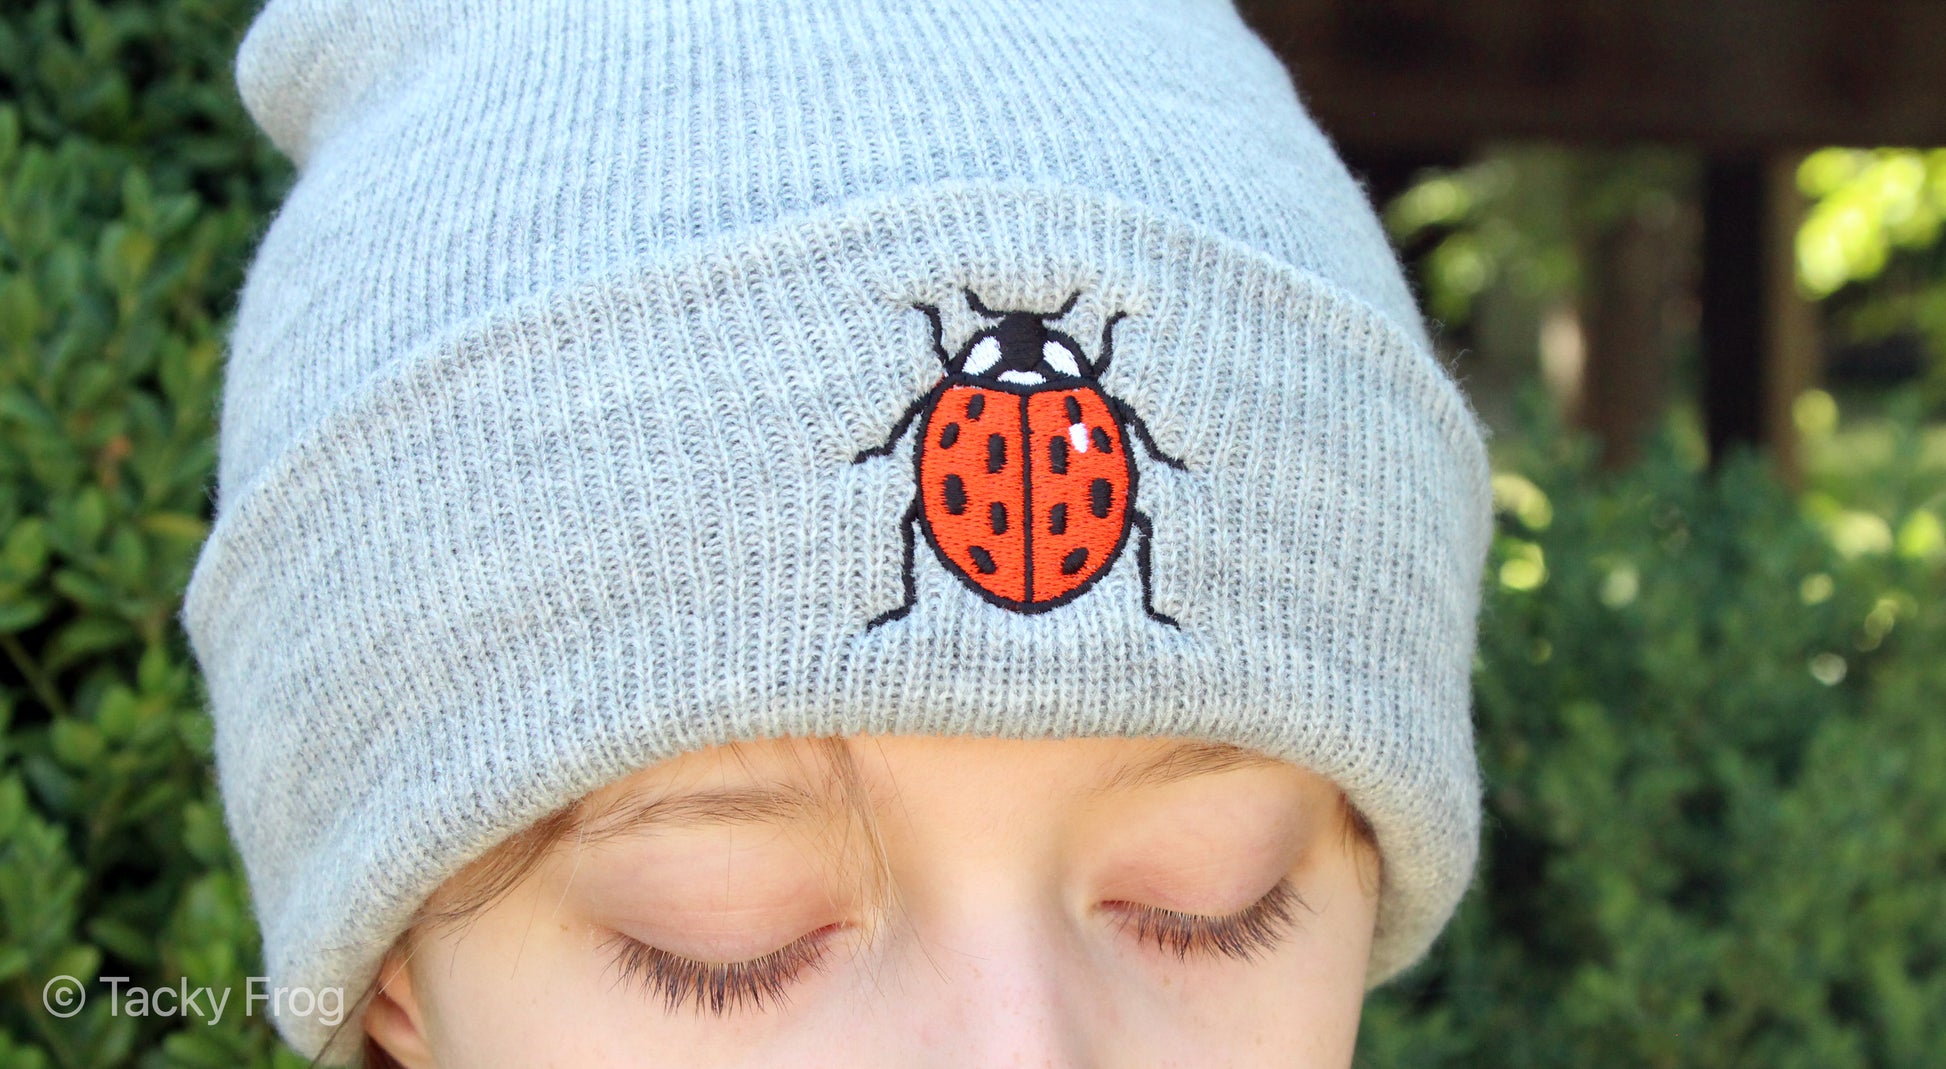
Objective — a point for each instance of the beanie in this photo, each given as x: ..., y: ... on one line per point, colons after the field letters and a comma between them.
x: 619, y: 379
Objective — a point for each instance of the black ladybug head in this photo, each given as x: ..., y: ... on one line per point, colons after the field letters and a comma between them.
x: 1021, y: 348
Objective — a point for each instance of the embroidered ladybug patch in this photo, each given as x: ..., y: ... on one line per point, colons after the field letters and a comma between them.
x: 1026, y: 487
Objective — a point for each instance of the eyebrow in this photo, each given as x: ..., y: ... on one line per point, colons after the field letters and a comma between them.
x: 780, y: 803
x: 1183, y: 761
x: 776, y: 803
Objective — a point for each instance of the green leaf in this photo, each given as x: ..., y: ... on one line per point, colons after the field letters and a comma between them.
x: 178, y: 526
x: 123, y: 940
x: 13, y: 806
x: 157, y: 672
x: 9, y: 134
x: 25, y: 551
x: 127, y: 557
x: 21, y: 613
x: 84, y: 637
x: 90, y: 516
x: 138, y: 199
x: 21, y: 312
x: 84, y: 589
x: 204, y: 835
x: 13, y: 962
x: 76, y: 743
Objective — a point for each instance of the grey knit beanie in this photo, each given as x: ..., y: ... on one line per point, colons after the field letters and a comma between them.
x: 625, y: 377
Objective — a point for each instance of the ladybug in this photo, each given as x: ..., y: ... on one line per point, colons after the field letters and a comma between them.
x: 1025, y: 483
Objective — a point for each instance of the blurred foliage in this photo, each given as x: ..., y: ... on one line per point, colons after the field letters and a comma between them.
x: 131, y: 189
x: 1519, y: 223
x: 1871, y: 246
x: 1710, y: 734
x: 1906, y: 462
x: 1865, y: 204
x: 1706, y: 710
x: 1520, y: 217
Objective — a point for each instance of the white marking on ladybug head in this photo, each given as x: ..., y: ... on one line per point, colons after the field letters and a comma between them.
x: 1078, y: 434
x: 1025, y: 378
x: 983, y: 357
x: 1058, y: 358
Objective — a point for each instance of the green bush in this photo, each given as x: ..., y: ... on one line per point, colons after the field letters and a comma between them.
x: 131, y: 190
x: 1708, y: 713
x: 1715, y: 764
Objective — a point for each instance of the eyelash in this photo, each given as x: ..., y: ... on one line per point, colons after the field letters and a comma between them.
x: 723, y: 987
x: 720, y: 987
x: 1254, y: 929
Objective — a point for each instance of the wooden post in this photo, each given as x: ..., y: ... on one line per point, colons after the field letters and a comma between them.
x: 1759, y: 335
x: 1638, y: 272
x: 1796, y: 343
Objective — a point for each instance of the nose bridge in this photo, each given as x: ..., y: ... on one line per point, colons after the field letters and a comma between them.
x: 1010, y: 989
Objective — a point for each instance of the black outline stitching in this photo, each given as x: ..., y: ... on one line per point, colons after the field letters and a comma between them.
x: 1026, y: 501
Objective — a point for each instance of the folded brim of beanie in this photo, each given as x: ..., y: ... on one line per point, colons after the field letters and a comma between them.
x: 621, y: 520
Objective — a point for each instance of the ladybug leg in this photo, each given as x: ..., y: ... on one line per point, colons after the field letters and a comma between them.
x: 898, y: 429
x: 1141, y: 431
x: 1141, y: 521
x: 906, y: 525
x: 1107, y: 350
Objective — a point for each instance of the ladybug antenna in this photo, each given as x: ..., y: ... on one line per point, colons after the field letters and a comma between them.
x: 973, y: 301
x: 938, y: 334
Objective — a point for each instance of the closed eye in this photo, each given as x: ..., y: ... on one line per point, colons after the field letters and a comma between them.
x: 722, y: 987
x: 1257, y: 929
x: 763, y: 982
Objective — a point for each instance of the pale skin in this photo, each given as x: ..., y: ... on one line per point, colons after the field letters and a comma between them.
x: 1102, y: 903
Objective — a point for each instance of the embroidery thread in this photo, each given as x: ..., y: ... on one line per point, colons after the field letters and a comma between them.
x: 1026, y: 487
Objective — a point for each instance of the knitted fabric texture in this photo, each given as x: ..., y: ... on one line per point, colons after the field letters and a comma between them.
x: 540, y: 454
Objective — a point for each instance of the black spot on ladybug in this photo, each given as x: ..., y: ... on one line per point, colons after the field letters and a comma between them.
x: 955, y: 495
x: 1098, y: 492
x: 996, y: 452
x: 948, y: 436
x: 975, y: 405
x: 997, y: 518
x: 1075, y: 560
x: 1074, y: 409
x: 1102, y: 444
x: 1057, y: 455
x: 982, y: 559
x: 1057, y: 519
